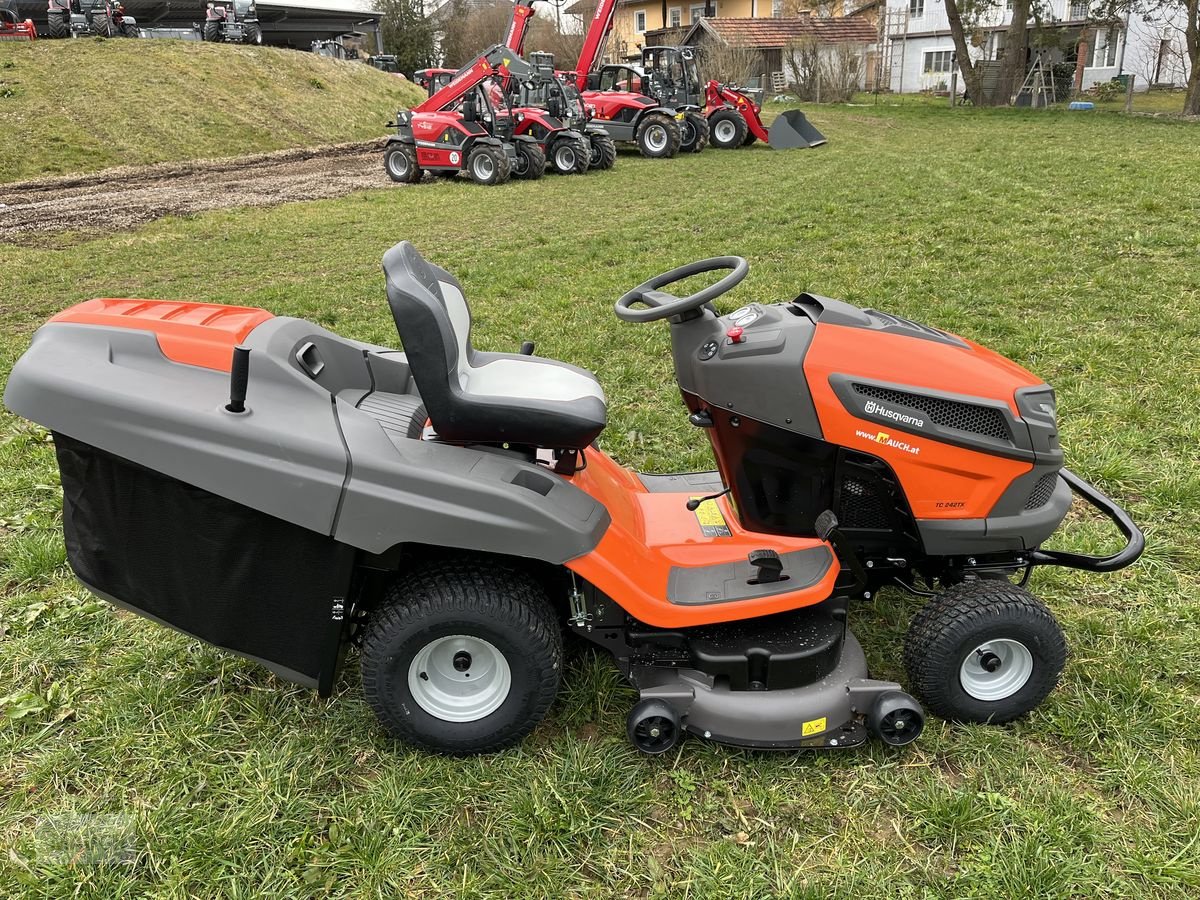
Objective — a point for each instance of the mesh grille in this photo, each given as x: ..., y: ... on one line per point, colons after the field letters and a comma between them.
x: 982, y: 420
x: 860, y: 506
x: 1042, y: 491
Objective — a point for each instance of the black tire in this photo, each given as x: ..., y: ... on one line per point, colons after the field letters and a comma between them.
x: 751, y: 137
x: 445, y: 173
x: 953, y: 632
x: 102, y: 26
x: 603, y: 151
x: 658, y: 136
x: 130, y: 31
x: 488, y: 165
x: 211, y: 32
x: 727, y: 129
x: 531, y: 162
x: 58, y: 26
x: 696, y: 129
x: 479, y: 603
x: 400, y: 162
x: 566, y: 156
x: 252, y: 35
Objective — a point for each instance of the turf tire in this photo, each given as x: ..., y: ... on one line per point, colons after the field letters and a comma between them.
x: 649, y: 130
x: 727, y: 129
x: 949, y: 627
x: 496, y: 603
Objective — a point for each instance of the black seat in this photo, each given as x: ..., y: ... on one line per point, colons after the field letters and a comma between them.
x: 475, y: 397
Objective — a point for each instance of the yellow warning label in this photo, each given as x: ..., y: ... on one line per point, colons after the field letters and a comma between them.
x: 816, y: 726
x: 712, y: 522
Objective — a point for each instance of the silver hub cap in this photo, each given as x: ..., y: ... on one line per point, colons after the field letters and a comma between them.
x: 398, y: 163
x: 565, y: 157
x: 459, y: 678
x: 996, y: 670
x: 656, y: 138
x: 726, y: 131
x: 484, y: 166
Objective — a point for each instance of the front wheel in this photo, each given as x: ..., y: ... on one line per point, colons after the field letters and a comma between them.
x: 570, y: 156
x: 253, y: 35
x: 728, y: 129
x: 58, y: 26
x: 211, y: 32
x: 400, y: 162
x: 984, y: 651
x: 693, y: 133
x: 658, y: 136
x: 531, y: 162
x: 488, y: 165
x: 462, y: 657
x: 103, y: 26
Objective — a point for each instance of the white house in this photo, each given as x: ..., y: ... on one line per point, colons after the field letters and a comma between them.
x: 919, y: 52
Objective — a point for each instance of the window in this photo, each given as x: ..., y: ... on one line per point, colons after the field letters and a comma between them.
x: 916, y: 9
x: 697, y: 13
x: 675, y: 16
x: 938, y: 62
x: 639, y: 21
x: 1105, y: 53
x: 1079, y: 9
x: 776, y: 8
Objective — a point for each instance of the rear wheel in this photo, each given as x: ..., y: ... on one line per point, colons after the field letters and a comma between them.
x: 984, y: 651
x: 103, y: 26
x: 462, y: 657
x: 253, y: 35
x: 693, y: 133
x: 658, y: 136
x: 211, y: 31
x: 57, y: 26
x: 400, y: 162
x: 130, y: 30
x: 728, y: 129
x: 531, y: 162
x: 488, y: 165
x: 603, y: 151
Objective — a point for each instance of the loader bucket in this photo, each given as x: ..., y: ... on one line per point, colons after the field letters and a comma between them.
x: 792, y: 131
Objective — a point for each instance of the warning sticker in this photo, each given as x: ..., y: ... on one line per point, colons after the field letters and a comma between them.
x: 712, y: 523
x: 815, y: 726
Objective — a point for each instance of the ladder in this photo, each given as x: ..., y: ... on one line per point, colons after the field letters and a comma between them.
x: 1038, y: 84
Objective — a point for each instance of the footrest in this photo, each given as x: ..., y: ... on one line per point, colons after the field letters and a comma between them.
x: 739, y: 580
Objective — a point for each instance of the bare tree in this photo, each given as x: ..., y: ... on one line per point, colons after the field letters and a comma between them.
x: 469, y: 29
x: 1178, y: 16
x: 965, y: 18
x: 733, y: 63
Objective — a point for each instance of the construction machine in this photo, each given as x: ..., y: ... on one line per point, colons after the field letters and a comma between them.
x: 12, y: 27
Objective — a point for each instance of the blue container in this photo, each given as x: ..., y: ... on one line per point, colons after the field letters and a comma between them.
x: 1081, y: 104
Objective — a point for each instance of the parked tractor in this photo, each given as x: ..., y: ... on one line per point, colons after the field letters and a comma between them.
x: 13, y: 28
x: 232, y: 23
x: 385, y: 62
x: 78, y: 18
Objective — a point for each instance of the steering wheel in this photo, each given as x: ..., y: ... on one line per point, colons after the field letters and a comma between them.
x: 661, y: 305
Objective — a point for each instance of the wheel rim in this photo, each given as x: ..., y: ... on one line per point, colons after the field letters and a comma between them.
x: 593, y: 154
x: 656, y: 138
x: 459, y: 678
x: 996, y: 670
x: 485, y: 166
x: 520, y: 165
x: 564, y: 158
x: 725, y: 131
x: 900, y: 726
x: 687, y: 133
x: 398, y: 164
x: 654, y: 734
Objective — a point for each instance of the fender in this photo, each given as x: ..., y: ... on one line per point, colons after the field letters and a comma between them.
x: 404, y: 137
x: 665, y: 110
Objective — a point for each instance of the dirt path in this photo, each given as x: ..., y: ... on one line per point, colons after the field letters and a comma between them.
x: 133, y: 195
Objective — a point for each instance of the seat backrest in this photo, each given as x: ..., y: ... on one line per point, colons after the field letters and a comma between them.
x: 434, y: 324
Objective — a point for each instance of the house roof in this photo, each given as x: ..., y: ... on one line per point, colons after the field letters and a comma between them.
x: 763, y: 34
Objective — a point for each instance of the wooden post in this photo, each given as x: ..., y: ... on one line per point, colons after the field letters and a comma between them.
x: 1129, y: 93
x: 953, y: 86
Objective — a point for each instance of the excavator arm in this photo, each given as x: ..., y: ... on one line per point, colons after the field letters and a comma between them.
x: 593, y: 43
x: 497, y: 60
x: 514, y: 38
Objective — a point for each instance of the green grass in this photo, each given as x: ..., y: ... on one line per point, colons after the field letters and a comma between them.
x: 165, y: 768
x: 79, y: 106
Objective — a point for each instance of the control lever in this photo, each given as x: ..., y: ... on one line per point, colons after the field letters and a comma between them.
x: 827, y: 529
x: 527, y: 348
x: 769, y: 566
x: 239, y: 378
x: 694, y: 503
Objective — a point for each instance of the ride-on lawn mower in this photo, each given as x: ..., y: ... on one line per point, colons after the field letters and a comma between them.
x: 279, y: 491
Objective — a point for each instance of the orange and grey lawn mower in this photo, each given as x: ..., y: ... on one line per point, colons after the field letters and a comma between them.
x: 285, y: 493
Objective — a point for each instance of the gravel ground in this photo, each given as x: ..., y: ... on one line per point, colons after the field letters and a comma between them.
x: 130, y: 196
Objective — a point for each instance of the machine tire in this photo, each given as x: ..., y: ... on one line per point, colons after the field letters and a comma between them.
x: 211, y: 32
x: 130, y: 31
x: 699, y: 128
x: 653, y: 727
x: 103, y: 26
x: 400, y: 162
x: 727, y: 129
x: 603, y: 151
x: 750, y: 138
x: 57, y: 26
x: 950, y: 636
x: 486, y: 605
x: 253, y: 35
x: 481, y: 173
x: 534, y: 159
x: 657, y: 136
x: 566, y: 157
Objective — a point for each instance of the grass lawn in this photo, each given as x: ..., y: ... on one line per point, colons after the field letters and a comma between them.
x: 79, y: 106
x: 1066, y: 242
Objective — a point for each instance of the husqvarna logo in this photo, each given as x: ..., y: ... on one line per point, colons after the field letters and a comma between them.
x: 878, y: 409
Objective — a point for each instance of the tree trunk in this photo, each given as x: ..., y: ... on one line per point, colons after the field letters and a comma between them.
x: 1191, y: 102
x: 1012, y: 73
x: 970, y: 73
